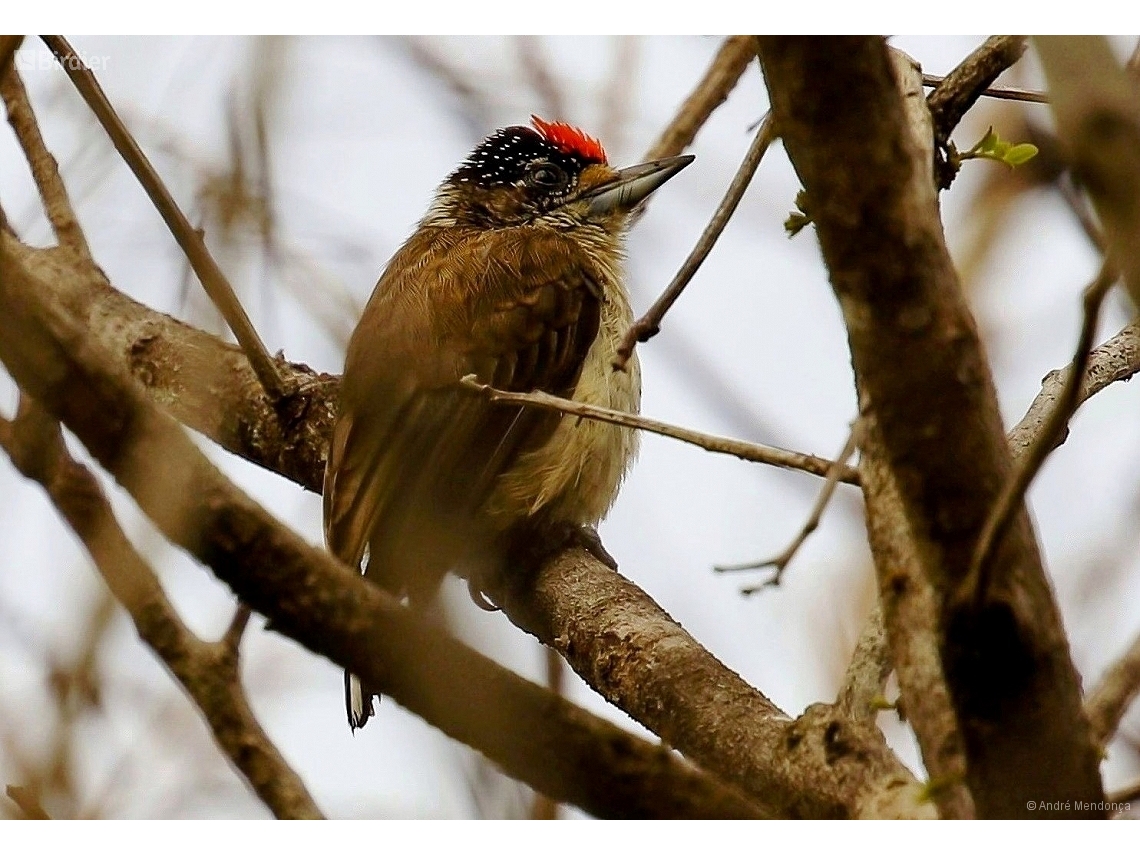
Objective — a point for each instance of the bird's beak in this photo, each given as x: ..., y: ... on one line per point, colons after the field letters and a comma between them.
x: 633, y: 184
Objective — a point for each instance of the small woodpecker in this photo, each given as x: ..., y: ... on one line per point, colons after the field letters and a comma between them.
x: 514, y: 276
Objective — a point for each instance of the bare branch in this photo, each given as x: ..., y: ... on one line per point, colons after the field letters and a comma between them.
x: 189, y: 239
x: 208, y: 672
x: 8, y: 47
x: 781, y: 561
x: 1106, y: 704
x: 976, y: 586
x: 960, y: 89
x: 821, y: 764
x: 734, y: 56
x: 1125, y: 795
x: 1115, y: 360
x: 44, y: 168
x: 935, y: 436
x: 545, y: 741
x: 753, y: 452
x: 862, y: 692
x: 1002, y: 93
x: 26, y: 800
x: 231, y: 641
x: 650, y: 323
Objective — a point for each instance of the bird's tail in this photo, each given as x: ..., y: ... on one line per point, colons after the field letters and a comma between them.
x: 358, y: 700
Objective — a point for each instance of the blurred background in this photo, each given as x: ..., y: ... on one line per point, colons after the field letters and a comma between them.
x: 308, y: 161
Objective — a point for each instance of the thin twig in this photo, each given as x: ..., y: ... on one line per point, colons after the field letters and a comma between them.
x: 208, y: 672
x: 45, y: 170
x: 734, y: 56
x: 649, y: 324
x: 781, y: 561
x: 1080, y: 209
x: 232, y: 638
x: 189, y: 239
x: 26, y: 801
x: 1106, y: 704
x: 961, y: 88
x: 975, y: 586
x: 750, y: 451
x: 1004, y: 93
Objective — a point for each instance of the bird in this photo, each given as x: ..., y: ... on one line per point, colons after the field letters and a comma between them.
x: 513, y: 277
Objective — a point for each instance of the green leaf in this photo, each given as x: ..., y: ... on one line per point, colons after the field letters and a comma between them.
x: 1020, y: 153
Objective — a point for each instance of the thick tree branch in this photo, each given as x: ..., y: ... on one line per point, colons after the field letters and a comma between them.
x: 934, y: 434
x: 26, y: 801
x: 208, y: 672
x: 621, y: 643
x: 837, y: 769
x: 543, y: 740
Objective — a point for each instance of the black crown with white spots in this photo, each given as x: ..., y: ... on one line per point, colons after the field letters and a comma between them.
x: 507, y: 156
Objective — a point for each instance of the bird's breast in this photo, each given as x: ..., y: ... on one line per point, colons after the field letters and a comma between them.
x: 574, y: 477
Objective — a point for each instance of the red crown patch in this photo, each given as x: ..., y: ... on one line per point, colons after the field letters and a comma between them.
x: 570, y: 139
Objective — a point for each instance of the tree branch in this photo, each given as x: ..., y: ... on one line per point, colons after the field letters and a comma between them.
x: 1109, y: 701
x: 935, y: 438
x: 45, y: 170
x: 207, y: 672
x: 649, y: 324
x: 189, y: 239
x: 781, y: 561
x: 1115, y: 360
x: 750, y: 451
x: 1001, y: 93
x: 734, y: 56
x: 960, y: 90
x: 867, y: 673
x: 975, y: 587
x: 536, y: 737
x: 638, y: 658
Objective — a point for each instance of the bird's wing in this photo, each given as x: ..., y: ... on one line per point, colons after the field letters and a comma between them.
x: 413, y: 453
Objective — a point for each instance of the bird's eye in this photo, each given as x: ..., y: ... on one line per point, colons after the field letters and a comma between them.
x: 546, y: 175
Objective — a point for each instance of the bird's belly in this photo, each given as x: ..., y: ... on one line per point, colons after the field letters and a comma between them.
x: 574, y: 477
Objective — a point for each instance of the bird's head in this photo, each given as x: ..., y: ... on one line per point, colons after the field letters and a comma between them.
x: 552, y: 173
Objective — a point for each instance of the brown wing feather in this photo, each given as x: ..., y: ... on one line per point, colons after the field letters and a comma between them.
x: 414, y: 455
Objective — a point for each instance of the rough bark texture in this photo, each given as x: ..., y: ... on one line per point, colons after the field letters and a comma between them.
x: 534, y: 735
x: 922, y: 373
x: 550, y: 744
x: 625, y: 646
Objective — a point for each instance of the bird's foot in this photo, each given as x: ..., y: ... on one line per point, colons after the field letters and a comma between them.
x: 588, y: 539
